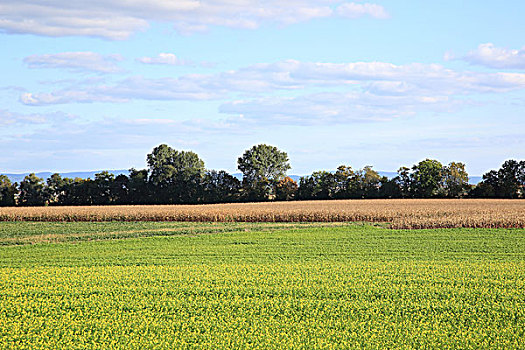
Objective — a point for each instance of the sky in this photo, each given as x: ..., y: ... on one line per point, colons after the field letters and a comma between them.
x: 92, y: 85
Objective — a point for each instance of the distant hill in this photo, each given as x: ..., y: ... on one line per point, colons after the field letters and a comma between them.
x: 91, y: 174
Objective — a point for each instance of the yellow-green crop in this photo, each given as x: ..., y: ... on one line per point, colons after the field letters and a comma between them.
x: 309, y: 288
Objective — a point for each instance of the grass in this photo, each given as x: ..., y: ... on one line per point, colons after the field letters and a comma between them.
x: 17, y: 233
x: 346, y: 286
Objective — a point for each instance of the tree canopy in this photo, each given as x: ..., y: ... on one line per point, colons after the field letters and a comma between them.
x: 262, y: 167
x: 174, y: 177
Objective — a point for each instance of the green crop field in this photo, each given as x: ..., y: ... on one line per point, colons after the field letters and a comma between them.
x: 156, y: 285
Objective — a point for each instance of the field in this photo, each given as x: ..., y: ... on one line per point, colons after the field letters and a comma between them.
x: 399, y: 213
x: 18, y: 233
x: 168, y: 285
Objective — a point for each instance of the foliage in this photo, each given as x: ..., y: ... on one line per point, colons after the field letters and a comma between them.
x: 262, y: 166
x: 220, y: 187
x: 32, y: 191
x: 426, y: 178
x: 455, y: 180
x: 179, y: 177
x: 286, y: 189
x: 175, y: 174
x: 507, y: 182
x: 7, y: 192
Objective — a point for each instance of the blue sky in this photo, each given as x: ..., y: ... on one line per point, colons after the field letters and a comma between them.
x: 98, y: 84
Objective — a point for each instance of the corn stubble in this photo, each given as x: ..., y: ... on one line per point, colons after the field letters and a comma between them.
x: 400, y: 213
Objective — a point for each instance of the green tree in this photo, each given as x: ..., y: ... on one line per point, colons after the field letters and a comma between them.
x: 220, y: 187
x: 507, y: 182
x: 32, y: 191
x: 488, y: 187
x: 344, y: 182
x: 120, y: 189
x: 510, y: 179
x: 139, y: 188
x: 370, y: 182
x: 389, y: 188
x: 455, y: 180
x: 103, y: 188
x: 82, y: 191
x: 319, y: 185
x: 426, y: 178
x: 55, y: 189
x: 177, y: 175
x: 262, y: 166
x: 404, y: 182
x: 306, y: 187
x: 7, y: 192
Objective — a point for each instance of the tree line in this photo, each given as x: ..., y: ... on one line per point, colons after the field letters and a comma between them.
x: 180, y: 177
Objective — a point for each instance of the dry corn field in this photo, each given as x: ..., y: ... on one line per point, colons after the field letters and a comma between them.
x: 399, y: 213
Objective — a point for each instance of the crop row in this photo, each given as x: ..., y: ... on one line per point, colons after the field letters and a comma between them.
x: 400, y: 213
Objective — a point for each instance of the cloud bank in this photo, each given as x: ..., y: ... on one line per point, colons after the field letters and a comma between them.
x: 76, y: 62
x: 163, y: 58
x: 118, y: 19
x: 489, y: 55
x: 304, y: 93
x: 375, y: 78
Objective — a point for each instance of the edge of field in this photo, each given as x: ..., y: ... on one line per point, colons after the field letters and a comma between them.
x: 24, y: 232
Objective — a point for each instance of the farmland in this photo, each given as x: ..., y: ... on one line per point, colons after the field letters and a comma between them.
x: 18, y: 233
x: 265, y: 275
x: 399, y: 213
x: 184, y: 285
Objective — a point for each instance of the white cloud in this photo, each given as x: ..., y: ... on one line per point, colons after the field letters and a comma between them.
x: 495, y: 57
x: 333, y: 108
x: 377, y: 78
x: 78, y: 143
x: 76, y: 61
x: 8, y: 118
x: 354, y: 10
x: 165, y: 59
x: 184, y: 88
x: 62, y: 97
x: 118, y: 19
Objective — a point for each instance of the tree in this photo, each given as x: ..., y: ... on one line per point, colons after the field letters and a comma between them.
x: 286, y: 189
x: 7, y: 192
x: 55, y: 189
x: 521, y: 175
x: 32, y: 191
x: 370, y: 182
x: 306, y: 188
x: 510, y: 179
x: 344, y: 182
x: 120, y: 189
x: 488, y: 187
x: 77, y: 191
x: 262, y: 166
x: 176, y: 174
x: 103, y: 188
x: 507, y: 182
x: 455, y: 180
x: 426, y: 178
x: 139, y: 188
x: 220, y: 187
x: 404, y: 182
x: 319, y: 185
x: 389, y: 188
